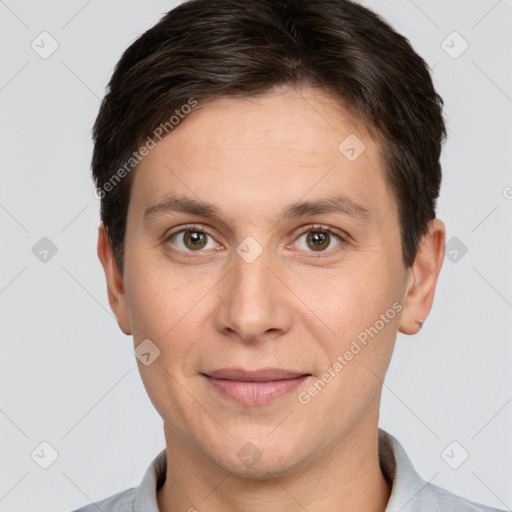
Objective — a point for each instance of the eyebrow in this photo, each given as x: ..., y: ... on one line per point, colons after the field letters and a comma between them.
x: 339, y: 204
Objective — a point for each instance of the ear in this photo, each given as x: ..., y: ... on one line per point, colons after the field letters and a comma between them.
x: 115, y: 283
x: 422, y: 279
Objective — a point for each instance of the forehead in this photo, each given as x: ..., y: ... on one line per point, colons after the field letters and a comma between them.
x: 264, y: 152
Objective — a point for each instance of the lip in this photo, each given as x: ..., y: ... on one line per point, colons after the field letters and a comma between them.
x: 255, y: 387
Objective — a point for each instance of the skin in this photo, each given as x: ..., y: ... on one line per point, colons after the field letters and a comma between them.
x: 294, y: 307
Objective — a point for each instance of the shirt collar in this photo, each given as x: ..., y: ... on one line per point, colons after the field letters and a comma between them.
x: 400, y: 473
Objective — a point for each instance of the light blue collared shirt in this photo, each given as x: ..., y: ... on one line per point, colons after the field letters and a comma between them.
x: 409, y: 493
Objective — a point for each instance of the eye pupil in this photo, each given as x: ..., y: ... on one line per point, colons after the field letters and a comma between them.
x: 196, y: 238
x: 319, y: 240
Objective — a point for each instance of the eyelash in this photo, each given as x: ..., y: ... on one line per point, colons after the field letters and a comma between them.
x: 307, y: 229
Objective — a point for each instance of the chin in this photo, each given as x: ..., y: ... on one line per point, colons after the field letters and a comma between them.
x: 261, y: 460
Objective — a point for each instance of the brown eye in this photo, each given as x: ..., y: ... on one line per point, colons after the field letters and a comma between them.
x: 192, y: 240
x: 319, y: 240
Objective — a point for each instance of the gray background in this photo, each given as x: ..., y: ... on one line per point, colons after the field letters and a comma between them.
x: 68, y: 374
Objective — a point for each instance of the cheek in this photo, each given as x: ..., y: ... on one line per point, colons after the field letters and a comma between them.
x: 357, y: 304
x: 168, y: 308
x: 162, y: 313
x: 344, y: 297
x: 158, y: 296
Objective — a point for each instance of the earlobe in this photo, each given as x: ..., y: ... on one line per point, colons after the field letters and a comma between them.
x: 115, y: 284
x: 422, y: 279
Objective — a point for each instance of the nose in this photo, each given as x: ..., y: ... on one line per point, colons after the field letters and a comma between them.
x: 254, y: 302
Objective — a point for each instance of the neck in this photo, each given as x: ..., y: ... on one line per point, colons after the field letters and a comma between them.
x: 345, y: 477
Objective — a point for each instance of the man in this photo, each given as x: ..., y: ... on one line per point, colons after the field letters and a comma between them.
x: 268, y: 174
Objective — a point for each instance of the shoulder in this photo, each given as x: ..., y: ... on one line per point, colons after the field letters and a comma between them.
x: 442, y: 500
x: 143, y: 497
x: 120, y: 502
x: 410, y: 492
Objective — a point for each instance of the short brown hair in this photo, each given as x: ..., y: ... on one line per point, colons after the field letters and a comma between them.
x: 208, y: 49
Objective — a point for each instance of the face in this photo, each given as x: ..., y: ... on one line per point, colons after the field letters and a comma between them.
x: 263, y: 261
